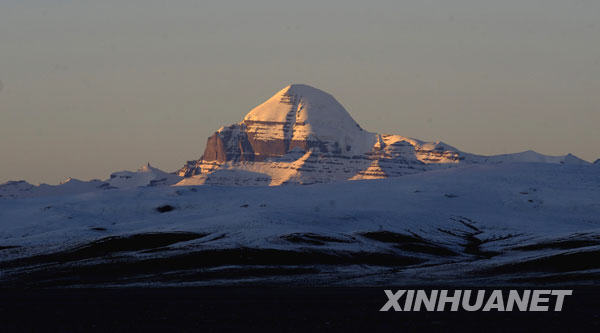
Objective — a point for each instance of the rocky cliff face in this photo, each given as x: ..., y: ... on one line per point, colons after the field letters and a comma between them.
x: 303, y: 135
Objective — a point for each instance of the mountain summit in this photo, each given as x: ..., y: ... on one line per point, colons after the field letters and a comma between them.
x: 302, y: 116
x: 304, y: 135
x: 298, y: 117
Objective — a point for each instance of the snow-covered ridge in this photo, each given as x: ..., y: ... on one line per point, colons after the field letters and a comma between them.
x: 529, y: 156
x: 144, y: 177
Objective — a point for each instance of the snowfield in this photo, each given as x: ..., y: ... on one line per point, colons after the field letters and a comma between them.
x: 480, y: 223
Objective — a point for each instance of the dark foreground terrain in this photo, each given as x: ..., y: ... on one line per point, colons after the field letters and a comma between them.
x: 280, y: 309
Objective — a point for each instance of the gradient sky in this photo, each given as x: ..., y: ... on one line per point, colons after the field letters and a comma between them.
x: 89, y: 87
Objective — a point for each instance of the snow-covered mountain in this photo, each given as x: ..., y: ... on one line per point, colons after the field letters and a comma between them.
x: 146, y: 176
x: 452, y: 216
x: 303, y: 135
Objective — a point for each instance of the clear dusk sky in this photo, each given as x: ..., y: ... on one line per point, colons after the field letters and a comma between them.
x: 89, y: 87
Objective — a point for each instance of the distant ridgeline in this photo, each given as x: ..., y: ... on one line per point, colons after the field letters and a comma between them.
x: 146, y: 176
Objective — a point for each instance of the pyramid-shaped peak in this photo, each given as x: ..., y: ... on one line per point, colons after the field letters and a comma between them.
x: 306, y: 116
x: 305, y: 90
x: 301, y: 103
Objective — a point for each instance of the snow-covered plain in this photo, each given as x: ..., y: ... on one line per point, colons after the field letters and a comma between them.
x: 492, y: 223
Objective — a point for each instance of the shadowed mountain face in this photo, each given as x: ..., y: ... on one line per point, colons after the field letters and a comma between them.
x: 303, y: 135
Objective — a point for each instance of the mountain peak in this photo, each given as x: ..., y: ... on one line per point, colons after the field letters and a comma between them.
x: 298, y: 87
x: 66, y: 180
x: 301, y: 113
x: 299, y: 100
x: 146, y: 168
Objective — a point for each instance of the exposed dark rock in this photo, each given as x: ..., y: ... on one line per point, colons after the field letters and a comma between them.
x: 106, y: 247
x: 164, y: 208
x: 185, y: 266
x: 564, y: 262
x: 411, y: 243
x: 562, y: 244
x: 314, y: 239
